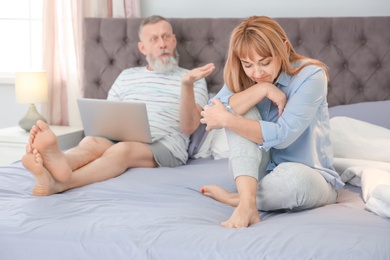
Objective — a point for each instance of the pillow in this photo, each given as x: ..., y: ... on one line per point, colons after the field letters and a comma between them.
x: 197, y: 147
x: 219, y: 144
x: 215, y: 144
x: 196, y: 140
x: 371, y: 112
x: 355, y: 139
x: 204, y: 150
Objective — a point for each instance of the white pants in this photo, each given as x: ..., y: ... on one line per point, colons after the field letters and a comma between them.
x: 290, y: 186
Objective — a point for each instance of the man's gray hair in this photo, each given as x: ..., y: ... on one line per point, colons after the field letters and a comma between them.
x: 150, y: 20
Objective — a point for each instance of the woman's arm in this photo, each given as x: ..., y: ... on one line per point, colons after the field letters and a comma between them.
x: 217, y: 116
x: 307, y: 93
x: 243, y: 101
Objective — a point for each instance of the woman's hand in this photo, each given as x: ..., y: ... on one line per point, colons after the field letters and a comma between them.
x: 215, y: 115
x: 277, y: 97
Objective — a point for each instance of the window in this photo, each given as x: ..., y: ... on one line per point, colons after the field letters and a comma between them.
x: 21, y: 37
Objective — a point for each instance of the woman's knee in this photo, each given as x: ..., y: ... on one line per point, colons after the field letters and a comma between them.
x: 253, y: 114
x: 293, y: 186
x: 245, y: 156
x: 241, y: 144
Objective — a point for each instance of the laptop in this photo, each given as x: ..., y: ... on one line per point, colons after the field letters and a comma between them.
x: 115, y: 120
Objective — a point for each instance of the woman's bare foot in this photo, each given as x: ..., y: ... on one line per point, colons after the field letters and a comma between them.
x: 221, y: 195
x: 243, y: 216
x: 44, y: 183
x: 245, y: 213
x: 44, y: 142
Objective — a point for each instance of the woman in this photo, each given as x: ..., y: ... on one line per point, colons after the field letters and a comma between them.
x: 280, y: 152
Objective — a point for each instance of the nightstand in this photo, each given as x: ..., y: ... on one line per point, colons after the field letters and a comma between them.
x: 13, y: 141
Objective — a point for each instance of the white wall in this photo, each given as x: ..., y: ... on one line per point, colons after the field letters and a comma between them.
x: 11, y: 112
x: 276, y: 8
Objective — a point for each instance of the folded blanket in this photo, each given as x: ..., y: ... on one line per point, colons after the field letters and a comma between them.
x: 376, y: 191
x: 351, y: 170
x: 375, y: 185
x: 362, y: 158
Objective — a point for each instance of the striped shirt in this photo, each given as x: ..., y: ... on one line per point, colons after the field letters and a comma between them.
x: 160, y: 91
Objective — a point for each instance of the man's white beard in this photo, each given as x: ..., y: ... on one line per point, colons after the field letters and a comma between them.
x: 166, y: 64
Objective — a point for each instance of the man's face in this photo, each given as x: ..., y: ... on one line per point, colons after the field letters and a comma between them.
x: 158, y: 44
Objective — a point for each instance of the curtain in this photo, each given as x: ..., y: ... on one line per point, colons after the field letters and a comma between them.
x: 63, y: 54
x: 132, y: 8
x: 97, y: 8
x: 62, y: 59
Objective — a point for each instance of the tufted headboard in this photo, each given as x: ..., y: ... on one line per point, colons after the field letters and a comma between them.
x: 356, y: 50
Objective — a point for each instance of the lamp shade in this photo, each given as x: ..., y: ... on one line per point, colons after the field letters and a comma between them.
x: 31, y: 87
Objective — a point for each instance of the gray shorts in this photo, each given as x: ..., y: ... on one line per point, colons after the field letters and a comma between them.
x: 163, y: 156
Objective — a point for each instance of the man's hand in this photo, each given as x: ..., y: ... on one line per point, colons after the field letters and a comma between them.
x: 189, y: 109
x: 197, y: 74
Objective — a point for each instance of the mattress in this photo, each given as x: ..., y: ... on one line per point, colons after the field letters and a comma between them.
x: 160, y: 214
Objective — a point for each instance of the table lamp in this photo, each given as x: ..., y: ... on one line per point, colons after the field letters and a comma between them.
x: 31, y: 88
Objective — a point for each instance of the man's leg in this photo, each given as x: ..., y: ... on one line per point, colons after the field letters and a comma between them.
x: 60, y: 165
x: 114, y: 161
x: 89, y: 149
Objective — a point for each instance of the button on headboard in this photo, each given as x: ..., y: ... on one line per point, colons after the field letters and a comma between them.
x: 356, y: 50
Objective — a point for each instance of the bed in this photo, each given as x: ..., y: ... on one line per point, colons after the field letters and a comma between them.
x: 160, y: 213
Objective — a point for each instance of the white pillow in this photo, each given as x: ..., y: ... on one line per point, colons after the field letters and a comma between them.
x: 214, y: 145
x: 219, y: 144
x: 205, y: 149
x: 352, y: 138
x: 371, y: 112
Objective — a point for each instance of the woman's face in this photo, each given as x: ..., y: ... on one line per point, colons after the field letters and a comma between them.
x: 261, y: 69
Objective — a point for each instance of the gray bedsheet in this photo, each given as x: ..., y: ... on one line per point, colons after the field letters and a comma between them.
x: 160, y: 214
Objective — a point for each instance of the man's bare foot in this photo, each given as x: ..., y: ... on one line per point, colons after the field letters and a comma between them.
x: 44, y: 183
x: 44, y: 142
x: 243, y: 216
x: 33, y: 132
x: 221, y: 195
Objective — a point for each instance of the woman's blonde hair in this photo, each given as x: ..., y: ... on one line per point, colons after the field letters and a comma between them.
x: 263, y: 36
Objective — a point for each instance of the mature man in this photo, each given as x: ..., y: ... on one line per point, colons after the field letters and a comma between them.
x: 174, y: 97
